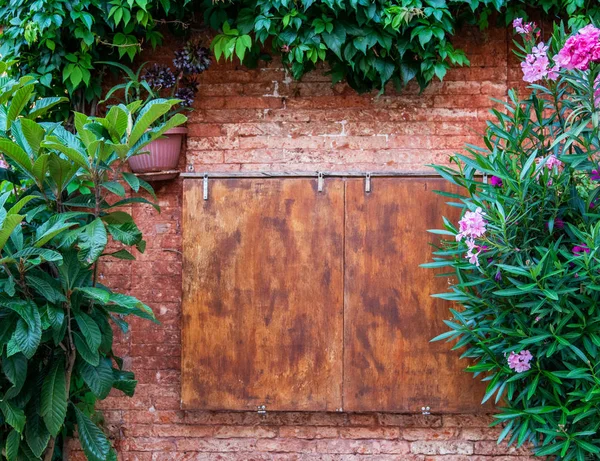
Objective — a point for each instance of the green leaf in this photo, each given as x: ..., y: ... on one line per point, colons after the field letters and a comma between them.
x: 28, y: 336
x: 89, y: 329
x: 18, y: 103
x: 13, y: 415
x: 83, y: 350
x: 92, y: 241
x: 115, y: 188
x: 54, y: 398
x: 99, y: 379
x: 97, y: 294
x: 15, y: 153
x: 93, y: 441
x: 12, y: 445
x: 36, y: 433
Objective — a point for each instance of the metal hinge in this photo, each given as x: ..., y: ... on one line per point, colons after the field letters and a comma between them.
x: 205, y: 187
x: 368, y: 182
x: 320, y: 182
x: 426, y: 411
x: 262, y: 409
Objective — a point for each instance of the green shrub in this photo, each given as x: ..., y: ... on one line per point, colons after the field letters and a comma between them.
x: 60, y: 206
x: 526, y: 253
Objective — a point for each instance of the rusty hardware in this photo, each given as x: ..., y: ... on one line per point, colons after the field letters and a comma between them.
x: 262, y: 409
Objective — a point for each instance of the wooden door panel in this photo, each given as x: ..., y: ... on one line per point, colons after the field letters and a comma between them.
x: 263, y: 295
x: 389, y: 363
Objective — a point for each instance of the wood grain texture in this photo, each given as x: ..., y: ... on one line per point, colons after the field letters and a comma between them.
x: 389, y: 363
x: 262, y: 295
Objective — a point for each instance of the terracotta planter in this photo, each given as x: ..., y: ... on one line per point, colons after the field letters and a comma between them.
x: 163, y: 156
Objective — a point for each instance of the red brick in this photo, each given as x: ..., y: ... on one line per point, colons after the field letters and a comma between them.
x: 260, y: 120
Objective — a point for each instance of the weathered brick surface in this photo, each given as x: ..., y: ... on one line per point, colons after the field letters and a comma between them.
x: 261, y: 120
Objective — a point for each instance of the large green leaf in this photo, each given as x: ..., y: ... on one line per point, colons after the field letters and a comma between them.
x: 15, y: 369
x: 144, y: 122
x: 33, y: 134
x: 83, y: 350
x: 54, y: 398
x: 43, y: 105
x: 127, y: 233
x: 13, y: 415
x: 92, y: 241
x: 99, y: 379
x: 89, y: 329
x: 36, y: 433
x: 18, y: 103
x: 97, y: 294
x: 8, y: 226
x: 28, y: 336
x: 16, y: 153
x: 124, y: 381
x: 93, y: 441
x: 12, y: 445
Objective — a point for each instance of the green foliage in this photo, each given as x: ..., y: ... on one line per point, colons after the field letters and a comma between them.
x: 56, y: 339
x: 366, y: 42
x: 60, y: 42
x: 537, y: 285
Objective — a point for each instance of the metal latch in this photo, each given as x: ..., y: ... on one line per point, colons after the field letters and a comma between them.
x: 368, y: 182
x: 320, y: 182
x: 262, y: 409
x: 205, y: 188
x: 426, y: 411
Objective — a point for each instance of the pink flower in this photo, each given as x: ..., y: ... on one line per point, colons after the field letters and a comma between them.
x: 520, y: 362
x: 471, y: 255
x: 551, y: 162
x: 580, y: 249
x: 558, y: 224
x: 496, y: 181
x: 521, y: 28
x: 3, y: 163
x: 553, y: 72
x: 580, y: 49
x: 595, y: 175
x: 471, y: 225
x: 539, y: 50
x: 535, y: 67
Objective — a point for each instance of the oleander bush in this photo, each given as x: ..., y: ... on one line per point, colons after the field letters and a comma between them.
x: 62, y: 198
x: 526, y: 252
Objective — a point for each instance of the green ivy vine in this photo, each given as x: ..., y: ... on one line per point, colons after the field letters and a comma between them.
x: 369, y: 43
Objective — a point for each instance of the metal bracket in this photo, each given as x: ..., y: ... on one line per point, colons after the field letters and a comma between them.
x: 262, y: 409
x: 485, y: 179
x: 320, y: 182
x: 368, y: 182
x: 205, y: 187
x: 426, y: 411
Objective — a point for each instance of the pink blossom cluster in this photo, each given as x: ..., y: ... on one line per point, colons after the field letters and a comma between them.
x: 520, y: 362
x: 521, y: 28
x: 580, y: 49
x: 537, y: 65
x: 551, y: 162
x: 3, y: 163
x: 472, y: 226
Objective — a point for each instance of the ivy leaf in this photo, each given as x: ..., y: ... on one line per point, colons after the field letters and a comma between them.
x: 335, y: 39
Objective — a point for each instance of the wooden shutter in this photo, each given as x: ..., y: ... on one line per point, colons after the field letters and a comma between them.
x: 263, y: 295
x: 389, y: 363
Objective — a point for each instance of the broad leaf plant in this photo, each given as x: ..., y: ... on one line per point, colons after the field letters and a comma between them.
x: 63, y: 202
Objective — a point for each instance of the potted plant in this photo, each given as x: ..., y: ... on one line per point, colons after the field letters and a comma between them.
x: 160, y: 160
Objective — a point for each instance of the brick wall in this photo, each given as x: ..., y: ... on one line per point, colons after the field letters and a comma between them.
x: 261, y: 120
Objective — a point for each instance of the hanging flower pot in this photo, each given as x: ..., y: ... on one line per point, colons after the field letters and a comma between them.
x: 163, y: 156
